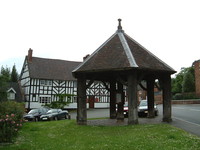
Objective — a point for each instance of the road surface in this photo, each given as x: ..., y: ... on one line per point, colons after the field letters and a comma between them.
x: 187, y: 117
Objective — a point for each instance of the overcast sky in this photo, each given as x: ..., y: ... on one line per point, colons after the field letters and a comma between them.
x: 71, y: 29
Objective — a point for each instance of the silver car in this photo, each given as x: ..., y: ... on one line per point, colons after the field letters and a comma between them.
x: 143, y: 108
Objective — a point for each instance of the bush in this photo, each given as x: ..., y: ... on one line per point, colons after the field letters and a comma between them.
x: 61, y: 103
x: 11, y: 119
x: 178, y: 96
x: 190, y: 96
x: 185, y: 96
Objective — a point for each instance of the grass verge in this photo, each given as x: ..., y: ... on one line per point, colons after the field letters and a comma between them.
x: 66, y: 134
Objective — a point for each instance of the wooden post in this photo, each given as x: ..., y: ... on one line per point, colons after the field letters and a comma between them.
x: 112, y: 100
x: 120, y: 105
x: 166, y: 80
x: 132, y: 99
x: 81, y: 102
x: 150, y: 97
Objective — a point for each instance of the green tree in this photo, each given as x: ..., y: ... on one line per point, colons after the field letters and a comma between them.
x: 177, y: 82
x: 189, y: 80
x: 14, y: 74
x: 3, y: 92
x: 183, y: 84
x: 5, y: 74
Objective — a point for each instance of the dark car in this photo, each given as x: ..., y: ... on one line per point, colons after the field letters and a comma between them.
x: 56, y: 114
x: 34, y: 114
x: 143, y: 108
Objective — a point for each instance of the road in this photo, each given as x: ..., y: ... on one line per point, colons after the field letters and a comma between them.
x: 186, y: 117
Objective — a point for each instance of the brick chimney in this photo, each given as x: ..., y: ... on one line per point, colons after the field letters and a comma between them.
x: 84, y: 58
x: 30, y: 52
x: 196, y: 65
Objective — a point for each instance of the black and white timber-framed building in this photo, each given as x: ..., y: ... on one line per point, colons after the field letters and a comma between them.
x: 42, y: 80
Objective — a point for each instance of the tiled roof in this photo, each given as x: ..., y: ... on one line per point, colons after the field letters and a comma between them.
x: 121, y: 52
x: 43, y: 68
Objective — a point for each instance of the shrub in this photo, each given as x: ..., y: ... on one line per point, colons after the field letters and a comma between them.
x: 61, y: 103
x: 185, y: 96
x: 190, y: 96
x: 11, y: 120
x: 178, y: 96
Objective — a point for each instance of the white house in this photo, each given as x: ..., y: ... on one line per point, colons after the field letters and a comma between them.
x: 42, y: 80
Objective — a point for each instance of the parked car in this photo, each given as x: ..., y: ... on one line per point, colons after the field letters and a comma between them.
x: 34, y: 114
x: 142, y: 109
x: 56, y: 114
x: 126, y: 110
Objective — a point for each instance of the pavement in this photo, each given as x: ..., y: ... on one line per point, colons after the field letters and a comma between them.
x: 104, y: 113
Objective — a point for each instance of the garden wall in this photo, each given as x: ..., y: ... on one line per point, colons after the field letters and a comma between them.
x: 195, y: 101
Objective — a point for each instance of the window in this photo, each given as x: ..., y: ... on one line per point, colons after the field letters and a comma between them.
x: 11, y: 96
x: 45, y: 100
x: 46, y: 82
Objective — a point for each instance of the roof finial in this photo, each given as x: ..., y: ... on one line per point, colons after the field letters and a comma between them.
x: 119, y: 26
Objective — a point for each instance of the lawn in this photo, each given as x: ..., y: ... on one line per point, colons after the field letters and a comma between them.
x: 65, y: 134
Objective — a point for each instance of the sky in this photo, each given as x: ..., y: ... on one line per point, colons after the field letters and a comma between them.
x: 71, y: 29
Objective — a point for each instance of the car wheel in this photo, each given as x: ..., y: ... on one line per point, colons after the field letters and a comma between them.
x: 36, y: 119
x: 56, y: 118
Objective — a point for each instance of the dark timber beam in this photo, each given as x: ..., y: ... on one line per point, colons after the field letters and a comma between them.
x: 112, y: 100
x: 132, y: 99
x: 150, y: 97
x: 120, y: 103
x: 166, y: 80
x: 81, y: 102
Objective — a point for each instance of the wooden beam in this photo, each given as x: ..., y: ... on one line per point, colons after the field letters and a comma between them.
x: 132, y: 99
x: 150, y: 97
x: 81, y: 102
x: 120, y: 105
x: 112, y: 100
x: 166, y: 80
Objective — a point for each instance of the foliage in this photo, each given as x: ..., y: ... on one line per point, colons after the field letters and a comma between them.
x: 14, y: 74
x: 5, y: 77
x: 177, y: 83
x: 178, y: 96
x: 189, y: 80
x: 181, y: 96
x: 64, y: 100
x: 3, y: 87
x: 5, y: 74
x: 183, y: 82
x: 11, y: 119
x: 66, y: 134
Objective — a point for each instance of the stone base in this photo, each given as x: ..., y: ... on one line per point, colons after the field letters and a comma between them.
x: 168, y: 120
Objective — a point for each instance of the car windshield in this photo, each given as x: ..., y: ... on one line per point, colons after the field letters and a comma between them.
x: 143, y: 103
x: 33, y: 111
x: 126, y: 104
x: 52, y: 111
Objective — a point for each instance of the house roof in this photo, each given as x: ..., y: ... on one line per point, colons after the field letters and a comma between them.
x: 54, y: 69
x: 121, y: 52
